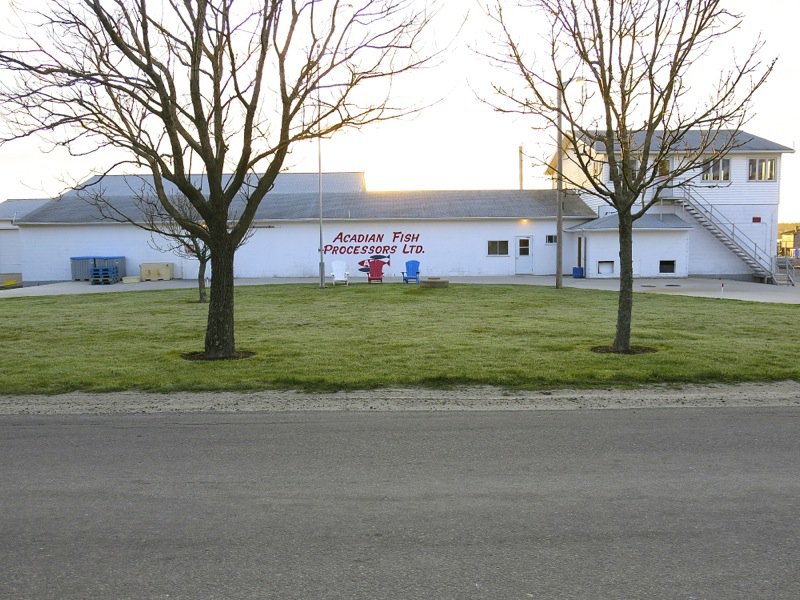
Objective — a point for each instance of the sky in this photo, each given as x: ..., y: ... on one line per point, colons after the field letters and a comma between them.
x: 459, y: 141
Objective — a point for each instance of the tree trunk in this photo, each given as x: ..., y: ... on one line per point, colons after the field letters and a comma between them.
x: 219, y: 330
x: 201, y: 281
x: 622, y: 340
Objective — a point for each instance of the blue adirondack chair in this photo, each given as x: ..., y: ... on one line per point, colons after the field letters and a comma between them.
x: 412, y: 271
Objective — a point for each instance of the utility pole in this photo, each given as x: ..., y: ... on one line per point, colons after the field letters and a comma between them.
x: 319, y: 188
x: 559, y: 188
x: 321, y: 247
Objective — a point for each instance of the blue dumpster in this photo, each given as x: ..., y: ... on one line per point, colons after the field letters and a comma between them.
x: 82, y: 265
x: 577, y: 272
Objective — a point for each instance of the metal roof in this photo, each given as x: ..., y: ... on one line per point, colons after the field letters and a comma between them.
x: 73, y: 207
x: 446, y: 204
x: 16, y: 209
x: 744, y: 142
x: 285, y: 183
x: 645, y: 222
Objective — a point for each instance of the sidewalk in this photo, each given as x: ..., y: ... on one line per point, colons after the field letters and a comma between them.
x: 707, y: 288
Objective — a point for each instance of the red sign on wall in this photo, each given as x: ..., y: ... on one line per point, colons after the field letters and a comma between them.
x: 398, y: 242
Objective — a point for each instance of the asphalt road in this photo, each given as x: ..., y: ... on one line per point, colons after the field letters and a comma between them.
x: 675, y: 503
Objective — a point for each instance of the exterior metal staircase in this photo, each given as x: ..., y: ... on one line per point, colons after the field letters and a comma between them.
x: 785, y: 271
x: 760, y: 260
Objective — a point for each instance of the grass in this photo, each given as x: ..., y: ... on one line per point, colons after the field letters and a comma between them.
x: 361, y: 337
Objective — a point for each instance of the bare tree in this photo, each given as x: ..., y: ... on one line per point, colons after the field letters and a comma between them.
x: 636, y: 108
x: 215, y: 87
x: 171, y: 237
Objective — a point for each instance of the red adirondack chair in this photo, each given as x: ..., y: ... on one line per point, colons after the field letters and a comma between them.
x: 375, y: 271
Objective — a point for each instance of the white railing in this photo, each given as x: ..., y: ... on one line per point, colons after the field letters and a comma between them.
x: 763, y: 257
x: 785, y: 264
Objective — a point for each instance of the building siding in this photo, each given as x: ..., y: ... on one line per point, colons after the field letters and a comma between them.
x: 10, y: 258
x: 444, y: 248
x: 47, y: 249
x: 291, y: 249
x: 649, y: 249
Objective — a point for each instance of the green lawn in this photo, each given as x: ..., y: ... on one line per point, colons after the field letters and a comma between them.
x: 388, y: 335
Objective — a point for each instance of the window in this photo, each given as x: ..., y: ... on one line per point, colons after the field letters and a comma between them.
x: 666, y: 266
x: 524, y: 247
x: 756, y: 219
x: 632, y: 166
x: 498, y: 248
x: 718, y: 170
x: 551, y: 239
x: 663, y: 167
x: 761, y: 169
x: 605, y: 267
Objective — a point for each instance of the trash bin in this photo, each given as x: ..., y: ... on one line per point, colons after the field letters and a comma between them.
x: 81, y: 267
x: 577, y: 272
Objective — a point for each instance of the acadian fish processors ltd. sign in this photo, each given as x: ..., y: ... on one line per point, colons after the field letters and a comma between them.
x: 398, y: 242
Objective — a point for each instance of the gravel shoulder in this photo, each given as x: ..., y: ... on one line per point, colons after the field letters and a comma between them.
x: 784, y: 393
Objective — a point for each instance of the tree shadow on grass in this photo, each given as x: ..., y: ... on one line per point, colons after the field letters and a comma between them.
x: 242, y: 354
x: 633, y: 350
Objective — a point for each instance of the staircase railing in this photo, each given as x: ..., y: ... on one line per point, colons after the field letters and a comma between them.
x: 763, y: 257
x: 785, y: 265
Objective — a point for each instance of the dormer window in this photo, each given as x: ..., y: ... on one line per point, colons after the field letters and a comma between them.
x: 718, y: 170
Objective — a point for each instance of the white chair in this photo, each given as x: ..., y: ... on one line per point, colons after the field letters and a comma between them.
x: 339, y: 272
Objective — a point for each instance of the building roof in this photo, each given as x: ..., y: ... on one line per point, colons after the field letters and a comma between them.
x: 285, y: 183
x: 447, y: 204
x: 73, y: 207
x: 743, y: 142
x: 651, y: 221
x: 12, y: 210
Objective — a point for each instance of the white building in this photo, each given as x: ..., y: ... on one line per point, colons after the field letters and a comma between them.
x: 699, y: 233
x: 449, y: 232
x: 10, y: 242
x: 722, y: 223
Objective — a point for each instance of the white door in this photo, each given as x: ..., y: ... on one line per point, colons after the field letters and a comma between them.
x: 524, y: 256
